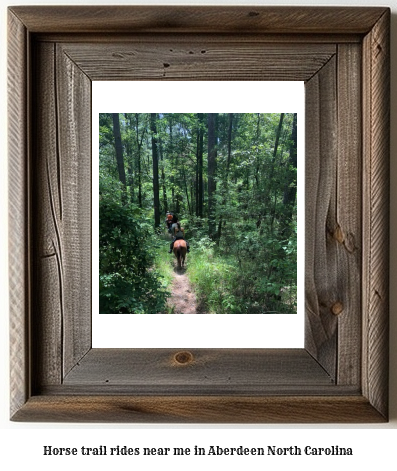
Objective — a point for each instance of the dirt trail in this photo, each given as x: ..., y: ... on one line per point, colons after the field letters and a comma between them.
x: 182, y: 299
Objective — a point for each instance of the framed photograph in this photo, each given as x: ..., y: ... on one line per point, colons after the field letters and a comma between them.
x: 251, y: 265
x: 56, y: 54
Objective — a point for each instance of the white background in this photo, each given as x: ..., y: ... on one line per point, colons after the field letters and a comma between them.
x: 21, y: 445
x: 205, y: 330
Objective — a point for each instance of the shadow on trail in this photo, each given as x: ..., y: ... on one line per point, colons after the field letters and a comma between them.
x: 180, y: 271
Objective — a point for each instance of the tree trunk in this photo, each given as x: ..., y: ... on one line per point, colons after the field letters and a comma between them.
x: 269, y: 207
x: 290, y: 187
x: 229, y: 145
x: 156, y: 198
x: 130, y: 157
x: 200, y: 165
x: 165, y: 202
x: 225, y: 181
x: 172, y: 160
x: 186, y: 190
x: 197, y: 173
x: 257, y: 139
x: 211, y: 174
x: 119, y: 147
x: 139, y: 145
x: 278, y: 134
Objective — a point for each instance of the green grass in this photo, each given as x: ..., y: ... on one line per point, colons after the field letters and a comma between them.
x: 212, y: 278
x: 164, y: 264
x: 225, y: 286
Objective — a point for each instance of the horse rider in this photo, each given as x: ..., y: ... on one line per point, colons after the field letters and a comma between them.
x: 168, y: 220
x: 177, y: 232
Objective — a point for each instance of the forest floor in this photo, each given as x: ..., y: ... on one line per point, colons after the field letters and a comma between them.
x: 183, y: 298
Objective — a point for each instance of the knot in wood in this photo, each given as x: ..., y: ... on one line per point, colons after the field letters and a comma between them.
x: 337, y: 308
x: 183, y: 358
x: 338, y: 235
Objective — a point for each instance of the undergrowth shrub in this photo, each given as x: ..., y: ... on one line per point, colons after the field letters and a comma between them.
x: 127, y: 281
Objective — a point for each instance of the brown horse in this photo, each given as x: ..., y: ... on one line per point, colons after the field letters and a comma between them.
x: 180, y: 251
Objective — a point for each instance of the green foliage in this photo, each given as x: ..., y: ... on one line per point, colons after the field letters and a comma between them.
x: 127, y: 283
x: 255, y: 280
x: 164, y: 262
x: 211, y: 276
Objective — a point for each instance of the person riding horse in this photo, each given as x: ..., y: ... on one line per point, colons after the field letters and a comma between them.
x: 177, y: 232
x: 168, y: 220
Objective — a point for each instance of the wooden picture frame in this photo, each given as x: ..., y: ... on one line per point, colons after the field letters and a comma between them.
x: 342, y: 54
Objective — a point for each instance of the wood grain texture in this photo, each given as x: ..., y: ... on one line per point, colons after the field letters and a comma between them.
x: 246, y: 369
x: 347, y: 226
x: 74, y: 125
x: 376, y: 91
x: 198, y: 19
x: 321, y: 277
x: 199, y: 409
x: 157, y: 38
x: 341, y: 375
x: 204, y: 60
x: 47, y: 316
x: 62, y: 202
x: 333, y: 215
x: 18, y: 213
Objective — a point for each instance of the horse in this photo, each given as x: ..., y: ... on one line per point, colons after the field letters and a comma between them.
x: 180, y: 251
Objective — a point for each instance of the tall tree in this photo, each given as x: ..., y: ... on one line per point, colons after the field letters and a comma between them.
x: 163, y: 182
x: 290, y: 185
x: 129, y: 155
x: 276, y: 143
x: 211, y: 173
x: 172, y: 161
x: 225, y: 179
x: 268, y: 206
x: 229, y: 144
x: 278, y: 134
x: 119, y: 147
x: 156, y: 196
x: 139, y: 143
x: 200, y: 183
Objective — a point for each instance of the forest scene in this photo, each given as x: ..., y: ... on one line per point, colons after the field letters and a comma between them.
x: 230, y: 181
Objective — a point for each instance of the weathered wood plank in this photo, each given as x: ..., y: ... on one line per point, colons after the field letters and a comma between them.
x: 62, y: 207
x: 19, y: 224
x: 74, y: 134
x: 376, y: 93
x: 320, y: 213
x: 206, y: 60
x: 47, y: 325
x: 195, y: 39
x: 199, y: 409
x: 203, y: 368
x: 348, y: 222
x: 199, y: 19
x: 47, y: 332
x: 252, y: 390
